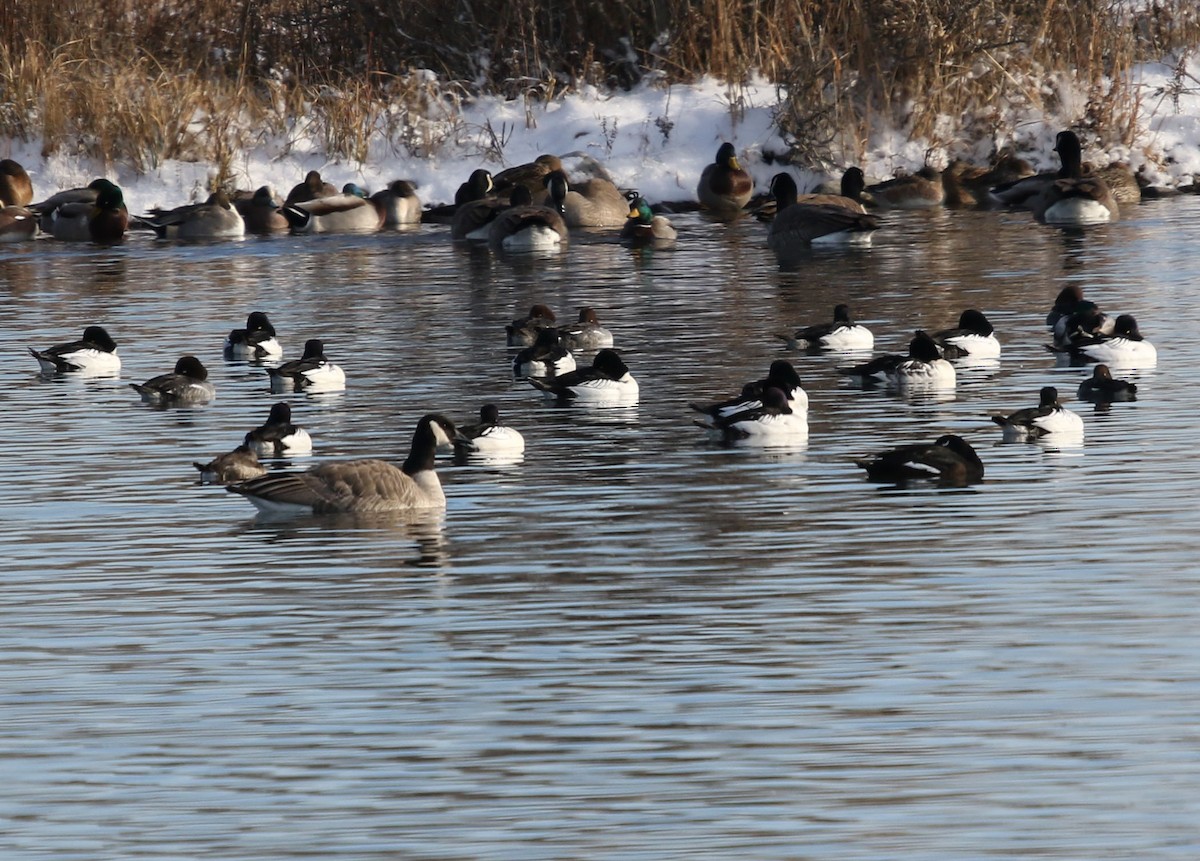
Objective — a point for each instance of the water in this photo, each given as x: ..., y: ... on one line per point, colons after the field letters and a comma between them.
x: 634, y: 644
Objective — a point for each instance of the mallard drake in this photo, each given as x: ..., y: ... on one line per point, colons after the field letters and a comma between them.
x: 606, y: 382
x: 546, y: 357
x: 16, y: 189
x: 187, y: 384
x: 840, y: 334
x: 769, y: 422
x: 104, y: 220
x: 642, y: 226
x: 1048, y: 417
x: 237, y: 465
x: 585, y: 333
x: 256, y: 342
x: 398, y: 203
x: 277, y: 436
x: 1102, y: 388
x: 17, y: 223
x: 724, y: 187
x: 93, y: 355
x: 489, y: 437
x: 802, y: 224
x: 949, y: 460
x: 523, y: 331
x: 920, y: 190
x: 260, y: 211
x: 363, y: 486
x: 533, y: 227
x: 216, y: 218
x: 973, y: 337
x: 313, y: 188
x: 312, y: 373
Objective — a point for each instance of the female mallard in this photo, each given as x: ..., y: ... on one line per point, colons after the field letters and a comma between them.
x: 724, y: 187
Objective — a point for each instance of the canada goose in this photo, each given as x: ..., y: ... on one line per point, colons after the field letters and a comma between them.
x: 642, y: 226
x: 311, y: 373
x: 95, y: 354
x: 1048, y: 417
x: 949, y: 460
x: 522, y: 331
x: 16, y: 189
x: 216, y: 218
x: 1102, y: 388
x: 586, y: 333
x: 478, y: 186
x: 594, y: 203
x: 920, y: 190
x: 1067, y: 196
x: 359, y: 485
x: 187, y: 384
x: 17, y: 223
x: 840, y: 334
x: 798, y: 225
x: 724, y: 187
x: 312, y: 188
x: 256, y: 342
x: 237, y: 465
x: 473, y: 219
x: 532, y: 227
x: 850, y: 189
x: 277, y: 436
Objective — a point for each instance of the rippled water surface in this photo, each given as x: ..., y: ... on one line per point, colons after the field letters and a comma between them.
x: 634, y: 644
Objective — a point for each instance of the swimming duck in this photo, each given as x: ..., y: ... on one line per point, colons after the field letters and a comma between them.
x: 950, y: 460
x: 105, y: 220
x: 488, y: 437
x: 922, y: 367
x: 1124, y: 348
x: 312, y: 373
x: 920, y: 190
x: 47, y: 209
x: 312, y: 188
x: 533, y: 227
x: 586, y: 333
x: 278, y: 437
x: 17, y: 223
x: 187, y: 384
x: 256, y: 342
x: 799, y: 224
x: 260, y: 212
x: 398, y: 203
x: 359, y: 485
x: 974, y: 337
x: 1048, y: 417
x: 781, y: 375
x: 237, y: 465
x: 16, y: 189
x: 335, y: 214
x: 841, y: 334
x: 772, y: 421
x: 523, y: 331
x: 216, y: 218
x: 546, y: 357
x: 1100, y: 387
x: 531, y: 175
x: 473, y: 219
x: 95, y: 355
x: 724, y: 187
x: 642, y: 226
x: 968, y: 185
x: 607, y: 381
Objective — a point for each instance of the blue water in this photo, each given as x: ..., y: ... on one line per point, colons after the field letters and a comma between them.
x: 633, y: 644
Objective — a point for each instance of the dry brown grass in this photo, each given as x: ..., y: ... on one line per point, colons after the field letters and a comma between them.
x: 137, y: 83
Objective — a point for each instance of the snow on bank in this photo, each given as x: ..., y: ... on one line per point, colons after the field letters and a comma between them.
x: 655, y: 138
